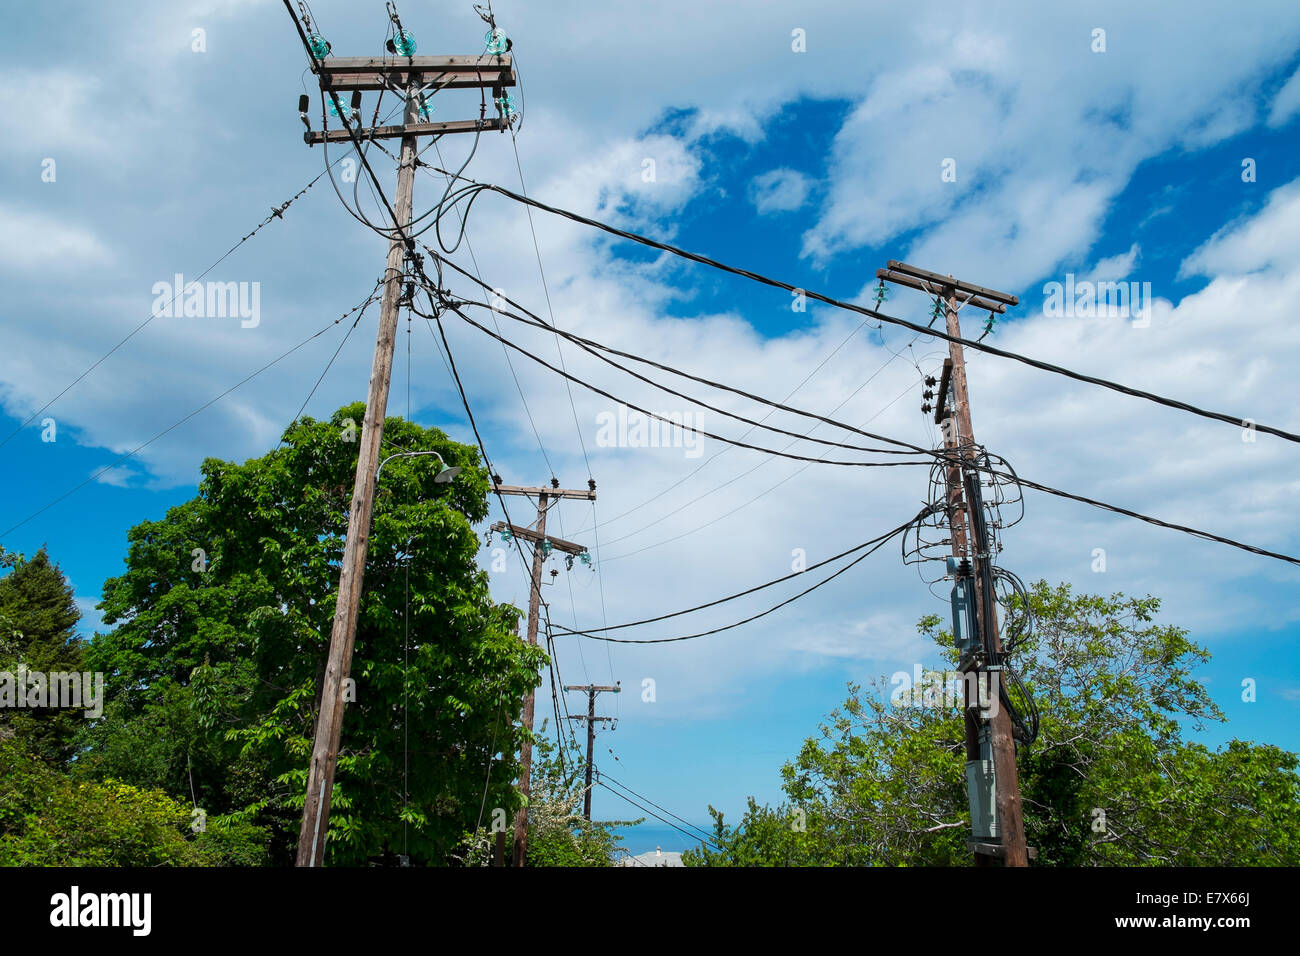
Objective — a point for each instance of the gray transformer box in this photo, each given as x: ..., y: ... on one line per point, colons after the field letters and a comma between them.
x: 981, y: 789
x: 963, y: 615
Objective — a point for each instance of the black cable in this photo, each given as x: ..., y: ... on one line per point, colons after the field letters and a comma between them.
x: 504, y: 351
x: 482, y: 447
x: 686, y: 833
x: 1236, y: 420
x: 277, y: 212
x: 939, y: 455
x: 755, y: 617
x: 559, y: 350
x: 1047, y: 489
x: 758, y: 497
x: 641, y: 796
x: 657, y: 417
x: 696, y: 470
x: 170, y: 428
x: 595, y: 349
x: 361, y: 311
x: 695, y: 378
x: 760, y: 587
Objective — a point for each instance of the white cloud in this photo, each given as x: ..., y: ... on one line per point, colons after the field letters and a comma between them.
x: 1269, y: 239
x: 53, y: 113
x: 779, y: 190
x: 1116, y: 267
x: 118, y: 477
x: 1287, y: 102
x: 37, y: 241
x: 1045, y: 135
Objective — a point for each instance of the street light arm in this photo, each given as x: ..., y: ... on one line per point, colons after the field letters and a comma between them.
x: 410, y: 454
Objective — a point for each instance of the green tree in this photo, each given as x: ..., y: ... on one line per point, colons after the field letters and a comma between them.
x: 38, y: 621
x: 223, y: 617
x: 1110, y: 779
x: 48, y: 818
x: 558, y: 833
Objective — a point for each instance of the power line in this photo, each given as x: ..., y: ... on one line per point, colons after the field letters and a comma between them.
x: 1235, y: 420
x: 762, y: 494
x: 661, y: 418
x: 703, y: 404
x: 717, y: 630
x: 640, y: 796
x: 277, y: 212
x: 592, y: 343
x: 686, y: 833
x: 547, y: 292
x: 330, y: 364
x: 937, y: 454
x: 727, y: 448
x: 504, y: 351
x: 169, y: 428
x: 699, y: 607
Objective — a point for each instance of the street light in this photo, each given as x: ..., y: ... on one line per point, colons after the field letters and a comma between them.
x: 444, y: 475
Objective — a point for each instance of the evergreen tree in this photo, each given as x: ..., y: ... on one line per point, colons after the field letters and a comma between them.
x: 38, y: 617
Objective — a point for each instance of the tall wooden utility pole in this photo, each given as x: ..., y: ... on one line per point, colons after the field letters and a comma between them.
x: 416, y: 76
x: 539, y: 539
x: 970, y: 543
x: 591, y: 719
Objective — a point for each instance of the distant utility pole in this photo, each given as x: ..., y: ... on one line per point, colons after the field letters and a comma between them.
x: 991, y: 738
x: 415, y: 76
x: 591, y: 719
x: 542, y: 544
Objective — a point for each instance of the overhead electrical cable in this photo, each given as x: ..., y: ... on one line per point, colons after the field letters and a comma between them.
x: 642, y: 796
x: 754, y: 617
x: 669, y: 421
x: 938, y: 454
x: 1236, y: 420
x: 277, y: 212
x: 686, y: 833
x: 143, y: 445
x: 748, y: 591
x: 590, y: 348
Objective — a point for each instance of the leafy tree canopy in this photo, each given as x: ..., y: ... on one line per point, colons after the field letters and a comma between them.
x: 1111, y: 780
x: 221, y: 624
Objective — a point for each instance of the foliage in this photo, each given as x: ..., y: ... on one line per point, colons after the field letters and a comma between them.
x: 223, y: 618
x: 50, y: 819
x: 558, y: 833
x: 38, y: 620
x: 1110, y: 780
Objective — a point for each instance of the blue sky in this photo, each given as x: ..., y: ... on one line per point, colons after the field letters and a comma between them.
x: 814, y: 167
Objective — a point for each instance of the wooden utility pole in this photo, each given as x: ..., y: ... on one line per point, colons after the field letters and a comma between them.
x: 540, y: 541
x: 591, y: 719
x: 415, y: 75
x: 971, y: 543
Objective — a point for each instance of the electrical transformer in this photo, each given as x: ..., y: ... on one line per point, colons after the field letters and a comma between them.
x: 965, y: 634
x: 982, y: 793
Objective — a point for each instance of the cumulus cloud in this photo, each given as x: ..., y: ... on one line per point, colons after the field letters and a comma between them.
x: 1116, y: 267
x: 33, y: 241
x: 1287, y: 102
x: 1045, y: 135
x: 779, y: 190
x: 1268, y: 240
